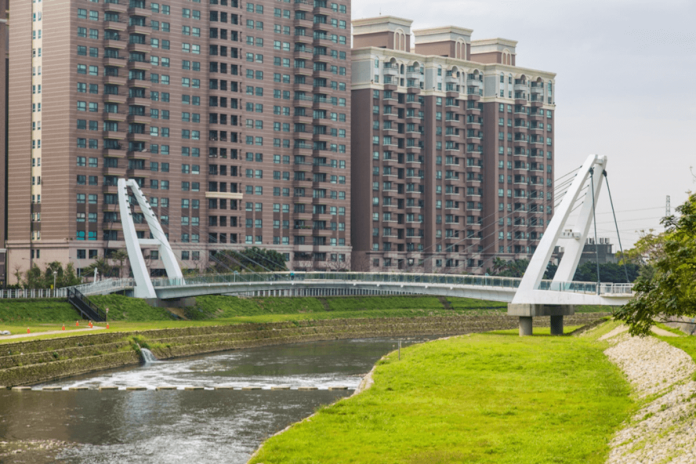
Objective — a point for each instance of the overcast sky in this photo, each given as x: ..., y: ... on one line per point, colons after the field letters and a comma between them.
x: 625, y: 86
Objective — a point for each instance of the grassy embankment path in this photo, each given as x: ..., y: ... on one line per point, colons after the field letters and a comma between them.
x: 485, y: 398
x: 130, y: 314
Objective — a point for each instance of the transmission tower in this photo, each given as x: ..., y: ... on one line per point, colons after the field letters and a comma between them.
x: 668, y: 209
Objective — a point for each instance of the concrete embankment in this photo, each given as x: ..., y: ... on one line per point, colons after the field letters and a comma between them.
x: 31, y: 362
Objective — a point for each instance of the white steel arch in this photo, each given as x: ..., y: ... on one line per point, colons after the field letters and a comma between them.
x: 143, y: 284
x: 573, y: 239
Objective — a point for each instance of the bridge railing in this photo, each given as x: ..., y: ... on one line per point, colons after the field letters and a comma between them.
x: 103, y: 286
x: 587, y: 287
x: 111, y: 285
x: 435, y: 279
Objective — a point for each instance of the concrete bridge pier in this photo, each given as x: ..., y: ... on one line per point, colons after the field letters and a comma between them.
x: 527, y: 313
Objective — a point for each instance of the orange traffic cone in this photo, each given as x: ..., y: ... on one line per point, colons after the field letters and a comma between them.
x: 28, y: 331
x: 77, y: 323
x: 107, y: 325
x: 90, y: 325
x: 63, y: 326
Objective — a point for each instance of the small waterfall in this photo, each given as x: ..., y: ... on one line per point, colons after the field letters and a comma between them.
x: 147, y: 356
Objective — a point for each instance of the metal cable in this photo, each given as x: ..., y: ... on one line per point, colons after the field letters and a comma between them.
x: 595, y: 228
x: 616, y: 223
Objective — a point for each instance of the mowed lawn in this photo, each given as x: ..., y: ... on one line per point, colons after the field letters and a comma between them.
x: 487, y: 398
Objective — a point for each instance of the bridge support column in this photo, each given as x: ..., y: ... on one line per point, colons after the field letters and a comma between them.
x: 556, y: 325
x: 526, y: 313
x: 526, y: 324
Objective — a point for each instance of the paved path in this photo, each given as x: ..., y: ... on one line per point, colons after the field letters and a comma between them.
x: 663, y: 332
x: 36, y: 334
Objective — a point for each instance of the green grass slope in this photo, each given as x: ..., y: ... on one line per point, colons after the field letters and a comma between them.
x: 123, y: 308
x: 472, y: 399
x: 31, y: 310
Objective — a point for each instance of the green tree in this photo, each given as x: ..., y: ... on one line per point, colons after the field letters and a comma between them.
x: 608, y: 272
x: 102, y: 266
x: 252, y: 259
x: 671, y: 291
x: 121, y: 256
x: 35, y: 278
x: 513, y: 268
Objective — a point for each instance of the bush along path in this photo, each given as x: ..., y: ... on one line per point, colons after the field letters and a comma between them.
x: 664, y: 428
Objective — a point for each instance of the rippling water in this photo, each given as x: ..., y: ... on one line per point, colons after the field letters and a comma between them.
x: 205, y: 426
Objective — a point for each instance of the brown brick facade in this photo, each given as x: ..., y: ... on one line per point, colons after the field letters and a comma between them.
x: 233, y: 116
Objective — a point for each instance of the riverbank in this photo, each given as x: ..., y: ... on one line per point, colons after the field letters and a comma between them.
x: 661, y: 370
x: 37, y: 361
x: 492, y: 397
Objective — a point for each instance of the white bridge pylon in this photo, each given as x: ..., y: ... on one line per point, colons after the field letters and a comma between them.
x: 143, y: 284
x: 572, y: 238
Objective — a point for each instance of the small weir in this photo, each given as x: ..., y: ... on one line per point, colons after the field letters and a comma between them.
x: 203, y: 409
x: 147, y: 356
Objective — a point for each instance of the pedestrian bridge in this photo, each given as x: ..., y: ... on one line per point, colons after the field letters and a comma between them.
x: 502, y: 289
x: 528, y: 297
x: 295, y: 284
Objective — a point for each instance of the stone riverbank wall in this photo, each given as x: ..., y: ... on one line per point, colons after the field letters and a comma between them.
x: 32, y: 362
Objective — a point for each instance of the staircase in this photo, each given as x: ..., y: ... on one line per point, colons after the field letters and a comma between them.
x: 87, y: 309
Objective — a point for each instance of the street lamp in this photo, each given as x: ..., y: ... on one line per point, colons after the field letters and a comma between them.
x: 55, y: 273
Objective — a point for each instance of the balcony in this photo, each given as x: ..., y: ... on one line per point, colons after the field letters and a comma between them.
x: 115, y: 80
x: 323, y: 74
x: 307, y: 119
x: 139, y: 119
x: 134, y: 137
x: 302, y: 183
x: 115, y: 26
x: 304, y: 5
x: 146, y: 30
x: 304, y: 39
x: 113, y: 153
x: 115, y: 7
x: 307, y: 72
x: 110, y: 43
x: 307, y: 88
x: 302, y: 149
x: 473, y: 97
x: 120, y: 117
x: 144, y: 65
x: 119, y: 135
x: 138, y: 47
x: 116, y: 62
x: 305, y: 54
x: 304, y: 23
x: 146, y: 12
x: 139, y: 83
x: 139, y: 101
x: 323, y: 42
x: 108, y: 98
x: 322, y: 104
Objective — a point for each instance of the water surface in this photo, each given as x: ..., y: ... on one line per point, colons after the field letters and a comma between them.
x: 180, y: 426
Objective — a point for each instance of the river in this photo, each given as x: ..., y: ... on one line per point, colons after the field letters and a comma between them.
x: 185, y: 426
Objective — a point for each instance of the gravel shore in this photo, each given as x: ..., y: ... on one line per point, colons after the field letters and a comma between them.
x: 664, y: 429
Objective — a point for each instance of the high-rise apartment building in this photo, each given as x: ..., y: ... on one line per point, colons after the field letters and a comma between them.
x: 453, y: 149
x: 233, y: 116
x: 4, y: 43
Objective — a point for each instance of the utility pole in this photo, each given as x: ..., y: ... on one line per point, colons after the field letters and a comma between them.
x: 668, y: 209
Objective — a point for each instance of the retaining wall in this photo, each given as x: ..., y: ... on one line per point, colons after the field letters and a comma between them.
x: 32, y: 362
